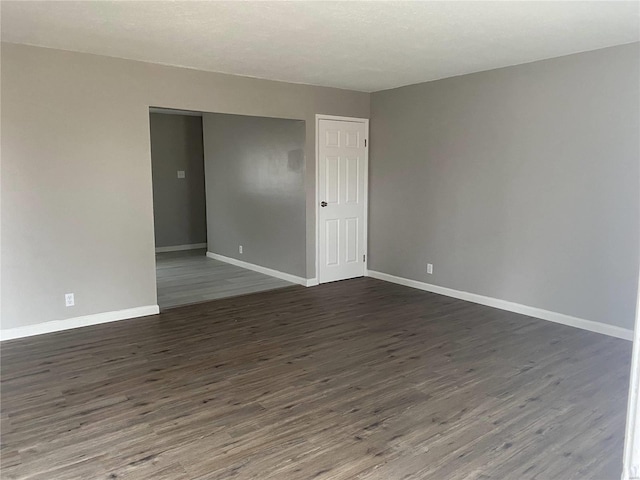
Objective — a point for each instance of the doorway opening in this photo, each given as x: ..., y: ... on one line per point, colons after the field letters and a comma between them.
x: 229, y: 204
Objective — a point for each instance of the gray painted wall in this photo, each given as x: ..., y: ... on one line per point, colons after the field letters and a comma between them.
x: 520, y: 183
x: 255, y: 190
x: 77, y: 211
x: 178, y: 203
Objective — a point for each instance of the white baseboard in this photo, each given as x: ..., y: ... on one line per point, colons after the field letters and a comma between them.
x: 179, y: 248
x: 77, y: 322
x: 590, y: 325
x: 306, y: 282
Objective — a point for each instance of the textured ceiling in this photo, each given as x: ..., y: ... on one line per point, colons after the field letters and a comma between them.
x: 365, y: 46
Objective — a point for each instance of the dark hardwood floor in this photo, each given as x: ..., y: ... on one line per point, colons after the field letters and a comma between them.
x: 358, y: 379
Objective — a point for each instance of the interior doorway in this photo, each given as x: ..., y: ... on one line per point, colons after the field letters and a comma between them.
x: 229, y: 204
x: 177, y: 161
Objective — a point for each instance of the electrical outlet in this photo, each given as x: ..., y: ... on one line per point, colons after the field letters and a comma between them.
x: 240, y: 249
x: 429, y: 268
x: 69, y: 300
x: 180, y: 173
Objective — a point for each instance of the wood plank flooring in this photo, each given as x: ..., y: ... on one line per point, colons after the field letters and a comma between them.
x: 189, y: 277
x: 358, y: 379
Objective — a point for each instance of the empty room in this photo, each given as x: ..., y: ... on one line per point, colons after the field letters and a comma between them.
x: 319, y: 240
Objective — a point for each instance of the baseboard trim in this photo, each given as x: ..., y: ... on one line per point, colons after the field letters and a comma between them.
x: 179, y: 248
x: 590, y: 325
x: 77, y: 322
x: 306, y: 282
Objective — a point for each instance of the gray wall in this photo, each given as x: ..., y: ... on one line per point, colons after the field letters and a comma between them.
x: 520, y: 183
x: 255, y: 190
x: 178, y: 203
x: 77, y: 212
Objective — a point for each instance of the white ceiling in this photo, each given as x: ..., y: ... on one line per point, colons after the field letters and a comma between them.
x: 365, y: 46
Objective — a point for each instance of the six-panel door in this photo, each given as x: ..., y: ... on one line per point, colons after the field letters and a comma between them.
x: 341, y: 215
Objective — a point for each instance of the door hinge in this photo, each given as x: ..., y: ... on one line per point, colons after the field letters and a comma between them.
x: 365, y: 142
x: 364, y: 258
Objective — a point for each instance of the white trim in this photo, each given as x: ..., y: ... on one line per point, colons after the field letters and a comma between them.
x: 365, y: 121
x: 631, y: 457
x: 590, y: 325
x: 77, y: 322
x: 306, y: 282
x: 179, y: 248
x: 337, y: 118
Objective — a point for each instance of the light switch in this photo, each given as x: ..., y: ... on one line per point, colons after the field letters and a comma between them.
x: 180, y: 173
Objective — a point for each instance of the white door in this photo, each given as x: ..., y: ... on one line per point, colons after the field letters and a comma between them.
x: 342, y: 196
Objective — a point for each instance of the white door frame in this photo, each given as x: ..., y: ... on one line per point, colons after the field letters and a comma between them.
x: 631, y: 458
x: 364, y: 121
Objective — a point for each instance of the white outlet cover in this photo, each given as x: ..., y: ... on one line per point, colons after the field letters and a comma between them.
x: 69, y: 299
x: 180, y: 173
x: 240, y: 249
x: 429, y: 268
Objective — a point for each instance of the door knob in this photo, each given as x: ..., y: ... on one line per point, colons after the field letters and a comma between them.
x: 323, y: 204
